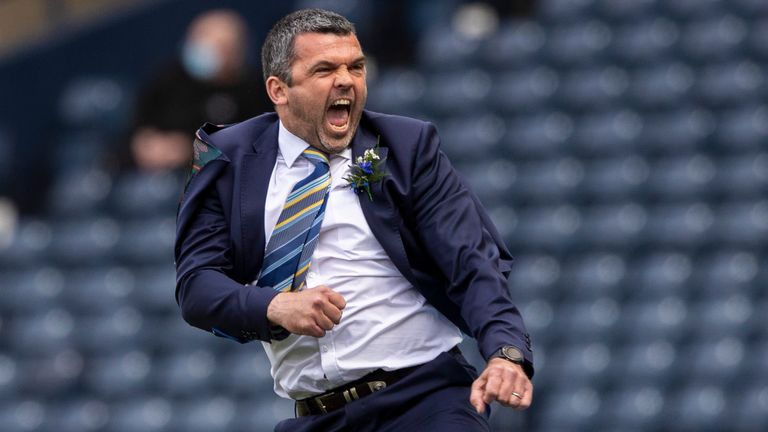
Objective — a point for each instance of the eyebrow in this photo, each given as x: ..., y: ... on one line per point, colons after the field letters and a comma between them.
x: 326, y: 63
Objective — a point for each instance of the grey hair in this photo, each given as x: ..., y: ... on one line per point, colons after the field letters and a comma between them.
x: 277, y: 53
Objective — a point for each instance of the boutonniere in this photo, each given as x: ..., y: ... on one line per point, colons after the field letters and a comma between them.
x: 366, y: 170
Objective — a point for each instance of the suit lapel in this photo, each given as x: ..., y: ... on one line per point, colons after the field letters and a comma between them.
x: 381, y: 214
x: 256, y: 171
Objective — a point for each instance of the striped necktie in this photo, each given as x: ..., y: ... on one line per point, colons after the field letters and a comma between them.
x: 293, y: 240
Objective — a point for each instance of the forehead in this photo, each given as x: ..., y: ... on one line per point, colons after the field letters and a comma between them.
x: 312, y: 47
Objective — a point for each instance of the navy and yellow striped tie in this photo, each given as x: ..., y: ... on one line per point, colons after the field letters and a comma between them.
x: 293, y: 240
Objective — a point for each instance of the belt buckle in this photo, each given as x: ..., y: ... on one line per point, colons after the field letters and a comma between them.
x: 320, y: 404
x: 376, y: 385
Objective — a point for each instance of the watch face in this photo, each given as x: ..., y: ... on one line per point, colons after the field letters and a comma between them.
x: 512, y: 354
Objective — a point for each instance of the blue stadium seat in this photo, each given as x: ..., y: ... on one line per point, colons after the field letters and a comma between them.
x: 659, y: 274
x: 474, y: 136
x: 735, y: 83
x: 572, y: 408
x: 51, y: 375
x: 148, y: 240
x: 726, y: 270
x: 586, y: 321
x: 100, y: 102
x: 442, y: 47
x: 648, y: 362
x: 540, y: 134
x: 547, y: 228
x: 612, y: 132
x: 646, y: 41
x: 462, y: 91
x: 554, y: 12
x: 143, y: 195
x: 524, y: 90
x: 184, y: 372
x: 115, y: 330
x: 397, y: 90
x: 79, y: 151
x: 81, y: 414
x: 688, y: 9
x: 578, y: 43
x: 205, y: 413
x: 614, y: 179
x: 679, y: 225
x: 743, y: 127
x: 155, y: 288
x: 244, y: 371
x: 594, y: 276
x: 23, y: 414
x: 713, y: 38
x: 758, y: 38
x: 654, y: 318
x: 534, y: 277
x: 593, y: 88
x: 624, y: 9
x: 44, y: 332
x: 103, y: 289
x: 10, y: 377
x: 699, y: 406
x: 262, y: 412
x: 29, y: 244
x: 551, y: 180
x: 720, y: 317
x: 87, y: 241
x: 743, y: 177
x: 634, y: 407
x: 748, y: 410
x: 612, y: 226
x: 517, y: 42
x: 677, y: 130
x: 119, y: 375
x: 34, y: 289
x: 142, y: 413
x: 681, y: 177
x: 79, y: 193
x: 663, y: 84
x: 742, y: 223
x: 490, y: 182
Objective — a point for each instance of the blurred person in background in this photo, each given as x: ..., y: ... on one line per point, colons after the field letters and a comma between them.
x: 211, y: 82
x: 360, y: 294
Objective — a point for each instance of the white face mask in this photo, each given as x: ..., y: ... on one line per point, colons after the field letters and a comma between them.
x: 200, y: 60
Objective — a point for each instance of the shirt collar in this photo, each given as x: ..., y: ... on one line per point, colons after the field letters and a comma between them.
x: 292, y: 146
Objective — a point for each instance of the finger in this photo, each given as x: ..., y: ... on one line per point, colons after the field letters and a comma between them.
x: 508, y: 385
x: 476, y: 395
x: 527, y: 397
x: 323, y: 322
x: 332, y: 312
x: 336, y: 299
x: 492, y: 386
x: 314, y: 331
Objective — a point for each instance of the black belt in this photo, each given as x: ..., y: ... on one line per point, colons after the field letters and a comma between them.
x: 342, y: 395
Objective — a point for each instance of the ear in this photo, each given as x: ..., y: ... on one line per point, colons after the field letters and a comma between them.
x: 276, y: 90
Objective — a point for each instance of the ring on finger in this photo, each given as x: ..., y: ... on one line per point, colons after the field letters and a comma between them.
x: 517, y: 395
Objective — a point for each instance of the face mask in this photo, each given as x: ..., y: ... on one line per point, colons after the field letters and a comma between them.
x: 200, y: 60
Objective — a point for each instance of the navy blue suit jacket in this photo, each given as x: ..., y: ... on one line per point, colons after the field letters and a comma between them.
x: 430, y: 224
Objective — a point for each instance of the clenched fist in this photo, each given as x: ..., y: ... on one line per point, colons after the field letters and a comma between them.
x: 309, y: 312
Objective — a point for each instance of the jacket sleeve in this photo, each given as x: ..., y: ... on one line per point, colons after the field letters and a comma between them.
x: 208, y: 296
x: 451, y: 226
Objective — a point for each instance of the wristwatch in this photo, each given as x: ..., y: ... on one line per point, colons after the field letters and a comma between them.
x: 508, y: 352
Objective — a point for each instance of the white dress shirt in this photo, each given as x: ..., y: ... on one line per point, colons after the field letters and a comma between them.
x: 386, y: 324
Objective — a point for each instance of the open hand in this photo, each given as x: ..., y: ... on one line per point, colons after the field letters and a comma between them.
x: 309, y: 312
x: 502, y: 381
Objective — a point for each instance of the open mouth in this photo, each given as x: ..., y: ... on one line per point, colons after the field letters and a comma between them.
x: 338, y: 114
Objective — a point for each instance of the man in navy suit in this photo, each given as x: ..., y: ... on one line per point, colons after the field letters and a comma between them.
x: 363, y: 332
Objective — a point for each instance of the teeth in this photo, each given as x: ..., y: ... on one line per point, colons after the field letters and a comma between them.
x: 341, y: 102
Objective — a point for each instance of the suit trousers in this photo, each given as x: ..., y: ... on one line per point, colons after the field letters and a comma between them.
x: 435, y: 396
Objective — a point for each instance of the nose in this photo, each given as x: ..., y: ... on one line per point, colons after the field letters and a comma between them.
x: 343, y: 77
